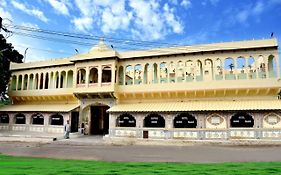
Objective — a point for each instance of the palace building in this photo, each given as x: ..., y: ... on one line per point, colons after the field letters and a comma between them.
x: 219, y: 91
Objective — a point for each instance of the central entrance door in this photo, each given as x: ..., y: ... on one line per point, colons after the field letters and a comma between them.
x: 74, y: 121
x: 99, y: 120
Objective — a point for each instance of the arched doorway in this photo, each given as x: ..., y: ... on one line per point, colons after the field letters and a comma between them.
x: 154, y: 121
x: 242, y: 120
x: 126, y: 120
x: 99, y: 120
x: 185, y: 120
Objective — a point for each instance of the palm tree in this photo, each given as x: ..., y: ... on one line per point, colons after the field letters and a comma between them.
x: 231, y: 66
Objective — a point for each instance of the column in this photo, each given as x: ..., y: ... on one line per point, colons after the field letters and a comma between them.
x: 99, y: 75
x: 33, y: 84
x: 44, y: 79
x: 276, y: 57
x: 87, y: 76
x: 139, y: 124
x: 223, y: 69
x: 39, y: 80
x: 66, y: 79
x: 142, y: 74
x: 17, y: 82
x: 266, y: 68
x: 59, y: 80
x: 169, y: 125
x: 124, y: 75
x: 134, y: 71
x: 113, y: 68
x: 158, y: 73
x: 22, y: 82
x: 28, y: 76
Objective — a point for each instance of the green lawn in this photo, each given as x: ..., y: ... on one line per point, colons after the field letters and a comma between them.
x: 38, y: 166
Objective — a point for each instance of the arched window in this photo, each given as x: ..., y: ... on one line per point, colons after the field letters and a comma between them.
x: 155, y: 75
x: 271, y: 66
x: 62, y: 79
x: 126, y: 120
x: 46, y: 81
x: 37, y: 119
x: 241, y: 63
x: 14, y: 82
x: 56, y: 119
x: 199, y: 71
x: 251, y: 68
x: 189, y: 67
x: 20, y: 118
x: 146, y: 79
x: 229, y: 66
x: 57, y: 79
x: 93, y: 77
x: 81, y: 76
x: 138, y: 74
x: 51, y: 80
x: 154, y: 121
x: 41, y: 81
x: 185, y: 120
x: 129, y: 75
x: 121, y: 75
x: 25, y: 80
x: 19, y: 82
x: 69, y: 79
x: 172, y: 72
x: 218, y: 69
x: 163, y: 72
x: 242, y: 120
x: 4, y: 118
x: 36, y: 81
x: 106, y: 75
x: 208, y: 69
x: 180, y: 72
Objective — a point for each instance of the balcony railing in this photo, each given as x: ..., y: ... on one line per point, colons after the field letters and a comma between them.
x: 196, y: 133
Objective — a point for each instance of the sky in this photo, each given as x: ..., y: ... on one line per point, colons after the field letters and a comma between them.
x: 184, y: 22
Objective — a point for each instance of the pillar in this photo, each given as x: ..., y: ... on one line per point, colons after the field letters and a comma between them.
x: 66, y: 80
x: 99, y: 75
x: 158, y: 73
x: 87, y: 76
x: 44, y: 79
x: 113, y: 70
x: 17, y: 82
x: 28, y: 76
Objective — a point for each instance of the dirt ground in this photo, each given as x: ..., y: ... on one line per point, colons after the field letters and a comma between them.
x: 139, y: 153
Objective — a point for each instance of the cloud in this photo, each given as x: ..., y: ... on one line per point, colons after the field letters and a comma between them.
x: 33, y: 11
x: 185, y: 3
x: 251, y: 10
x: 145, y: 19
x: 30, y: 25
x: 5, y: 14
x: 61, y: 7
x: 171, y: 19
x: 275, y: 1
x: 258, y: 8
x: 214, y: 2
x: 3, y: 3
x: 174, y: 2
x: 117, y: 15
x: 83, y: 23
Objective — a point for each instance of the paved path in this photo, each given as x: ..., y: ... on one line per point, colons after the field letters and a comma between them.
x: 139, y: 153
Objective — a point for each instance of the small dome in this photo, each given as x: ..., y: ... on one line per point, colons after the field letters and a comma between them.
x: 100, y: 47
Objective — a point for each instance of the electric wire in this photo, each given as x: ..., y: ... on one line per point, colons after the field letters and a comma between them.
x: 125, y: 44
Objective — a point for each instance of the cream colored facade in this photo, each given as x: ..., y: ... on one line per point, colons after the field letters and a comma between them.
x: 214, y: 91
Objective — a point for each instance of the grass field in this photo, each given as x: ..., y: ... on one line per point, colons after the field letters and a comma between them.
x: 38, y: 166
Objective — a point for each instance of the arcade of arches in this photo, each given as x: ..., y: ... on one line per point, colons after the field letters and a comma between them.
x: 189, y: 125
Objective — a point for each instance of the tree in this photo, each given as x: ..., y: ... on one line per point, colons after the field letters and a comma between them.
x: 7, y: 54
x: 231, y: 66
